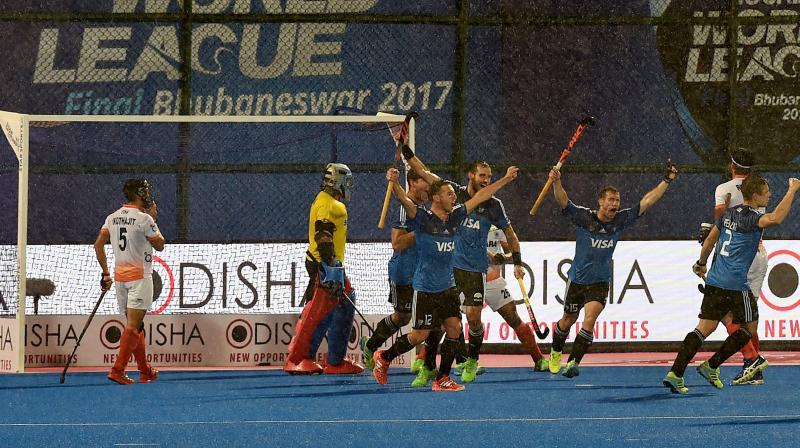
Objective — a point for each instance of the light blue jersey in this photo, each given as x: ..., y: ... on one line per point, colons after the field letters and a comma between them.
x: 595, y: 242
x: 470, y: 254
x: 434, y: 272
x: 403, y: 262
x: 739, y: 235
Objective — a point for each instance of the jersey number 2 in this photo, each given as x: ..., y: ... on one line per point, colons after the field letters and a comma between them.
x: 123, y: 240
x: 724, y: 249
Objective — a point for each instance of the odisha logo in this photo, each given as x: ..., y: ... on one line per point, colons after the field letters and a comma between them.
x: 697, y: 58
x: 780, y: 289
x: 162, y: 271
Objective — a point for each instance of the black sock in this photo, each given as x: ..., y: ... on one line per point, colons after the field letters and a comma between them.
x: 383, y: 331
x: 449, y: 348
x: 475, y: 342
x: 691, y: 344
x: 432, y: 344
x: 461, y: 351
x: 582, y: 343
x: 734, y: 342
x: 400, y: 346
x: 559, y: 338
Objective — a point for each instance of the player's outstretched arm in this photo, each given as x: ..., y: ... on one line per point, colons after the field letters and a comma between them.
x: 487, y: 192
x: 782, y: 210
x: 558, y: 189
x: 416, y: 164
x: 652, y: 196
x: 411, y: 209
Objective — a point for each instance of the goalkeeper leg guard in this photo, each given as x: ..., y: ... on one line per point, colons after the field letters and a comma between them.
x: 314, y: 312
x: 339, y: 332
x: 691, y: 344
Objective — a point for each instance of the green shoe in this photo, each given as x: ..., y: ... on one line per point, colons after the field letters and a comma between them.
x: 366, y: 354
x: 417, y: 365
x: 542, y: 365
x: 571, y: 371
x: 675, y: 383
x: 424, y: 377
x: 712, y: 375
x: 555, y: 362
x: 469, y: 370
x: 460, y: 367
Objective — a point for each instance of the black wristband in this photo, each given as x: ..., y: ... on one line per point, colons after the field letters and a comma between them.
x: 407, y: 152
x: 698, y: 263
x: 516, y: 257
x: 667, y: 179
x: 106, y: 274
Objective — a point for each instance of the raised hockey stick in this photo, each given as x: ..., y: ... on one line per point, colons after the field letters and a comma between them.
x: 541, y: 334
x: 588, y: 120
x: 78, y: 342
x: 402, y: 138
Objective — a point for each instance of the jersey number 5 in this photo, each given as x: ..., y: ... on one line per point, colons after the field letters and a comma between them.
x: 123, y: 240
x: 724, y: 249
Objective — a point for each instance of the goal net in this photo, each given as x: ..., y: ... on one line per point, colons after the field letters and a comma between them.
x: 233, y: 196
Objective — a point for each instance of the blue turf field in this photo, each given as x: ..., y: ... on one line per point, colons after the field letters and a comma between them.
x: 604, y: 407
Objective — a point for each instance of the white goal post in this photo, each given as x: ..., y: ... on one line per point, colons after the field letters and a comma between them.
x: 16, y: 128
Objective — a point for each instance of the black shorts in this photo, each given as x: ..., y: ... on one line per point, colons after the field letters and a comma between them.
x: 578, y: 295
x: 717, y: 302
x: 430, y: 309
x: 472, y: 285
x: 401, y: 297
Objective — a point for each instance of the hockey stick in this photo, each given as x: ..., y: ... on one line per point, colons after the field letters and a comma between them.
x: 402, y: 138
x: 588, y: 120
x: 352, y: 302
x: 541, y: 334
x: 78, y: 342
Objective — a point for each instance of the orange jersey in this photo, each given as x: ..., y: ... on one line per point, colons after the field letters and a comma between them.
x: 130, y: 230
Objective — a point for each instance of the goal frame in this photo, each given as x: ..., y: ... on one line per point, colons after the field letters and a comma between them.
x: 20, y: 144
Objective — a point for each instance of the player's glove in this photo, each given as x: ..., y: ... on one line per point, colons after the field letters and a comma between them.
x: 407, y: 152
x: 105, y: 281
x: 699, y: 269
x: 498, y: 258
x: 671, y: 171
x: 705, y: 229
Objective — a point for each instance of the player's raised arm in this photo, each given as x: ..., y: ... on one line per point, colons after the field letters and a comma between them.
x: 558, y: 189
x: 392, y: 174
x: 416, y: 164
x: 780, y: 213
x: 652, y: 196
x: 485, y: 193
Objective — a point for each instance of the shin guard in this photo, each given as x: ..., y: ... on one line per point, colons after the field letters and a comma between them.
x: 691, y: 344
x: 339, y: 331
x: 314, y: 312
x: 525, y: 335
x: 127, y: 344
x: 732, y: 344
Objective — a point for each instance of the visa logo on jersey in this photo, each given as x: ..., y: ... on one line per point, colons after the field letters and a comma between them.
x: 602, y: 244
x: 444, y: 246
x: 471, y: 223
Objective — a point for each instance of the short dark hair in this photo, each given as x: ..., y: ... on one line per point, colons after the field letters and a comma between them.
x: 753, y: 184
x: 473, y: 167
x: 412, y: 175
x: 436, y: 186
x: 606, y: 190
x: 742, y: 160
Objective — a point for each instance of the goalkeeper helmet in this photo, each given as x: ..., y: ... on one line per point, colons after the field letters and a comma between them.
x: 138, y: 188
x: 339, y: 177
